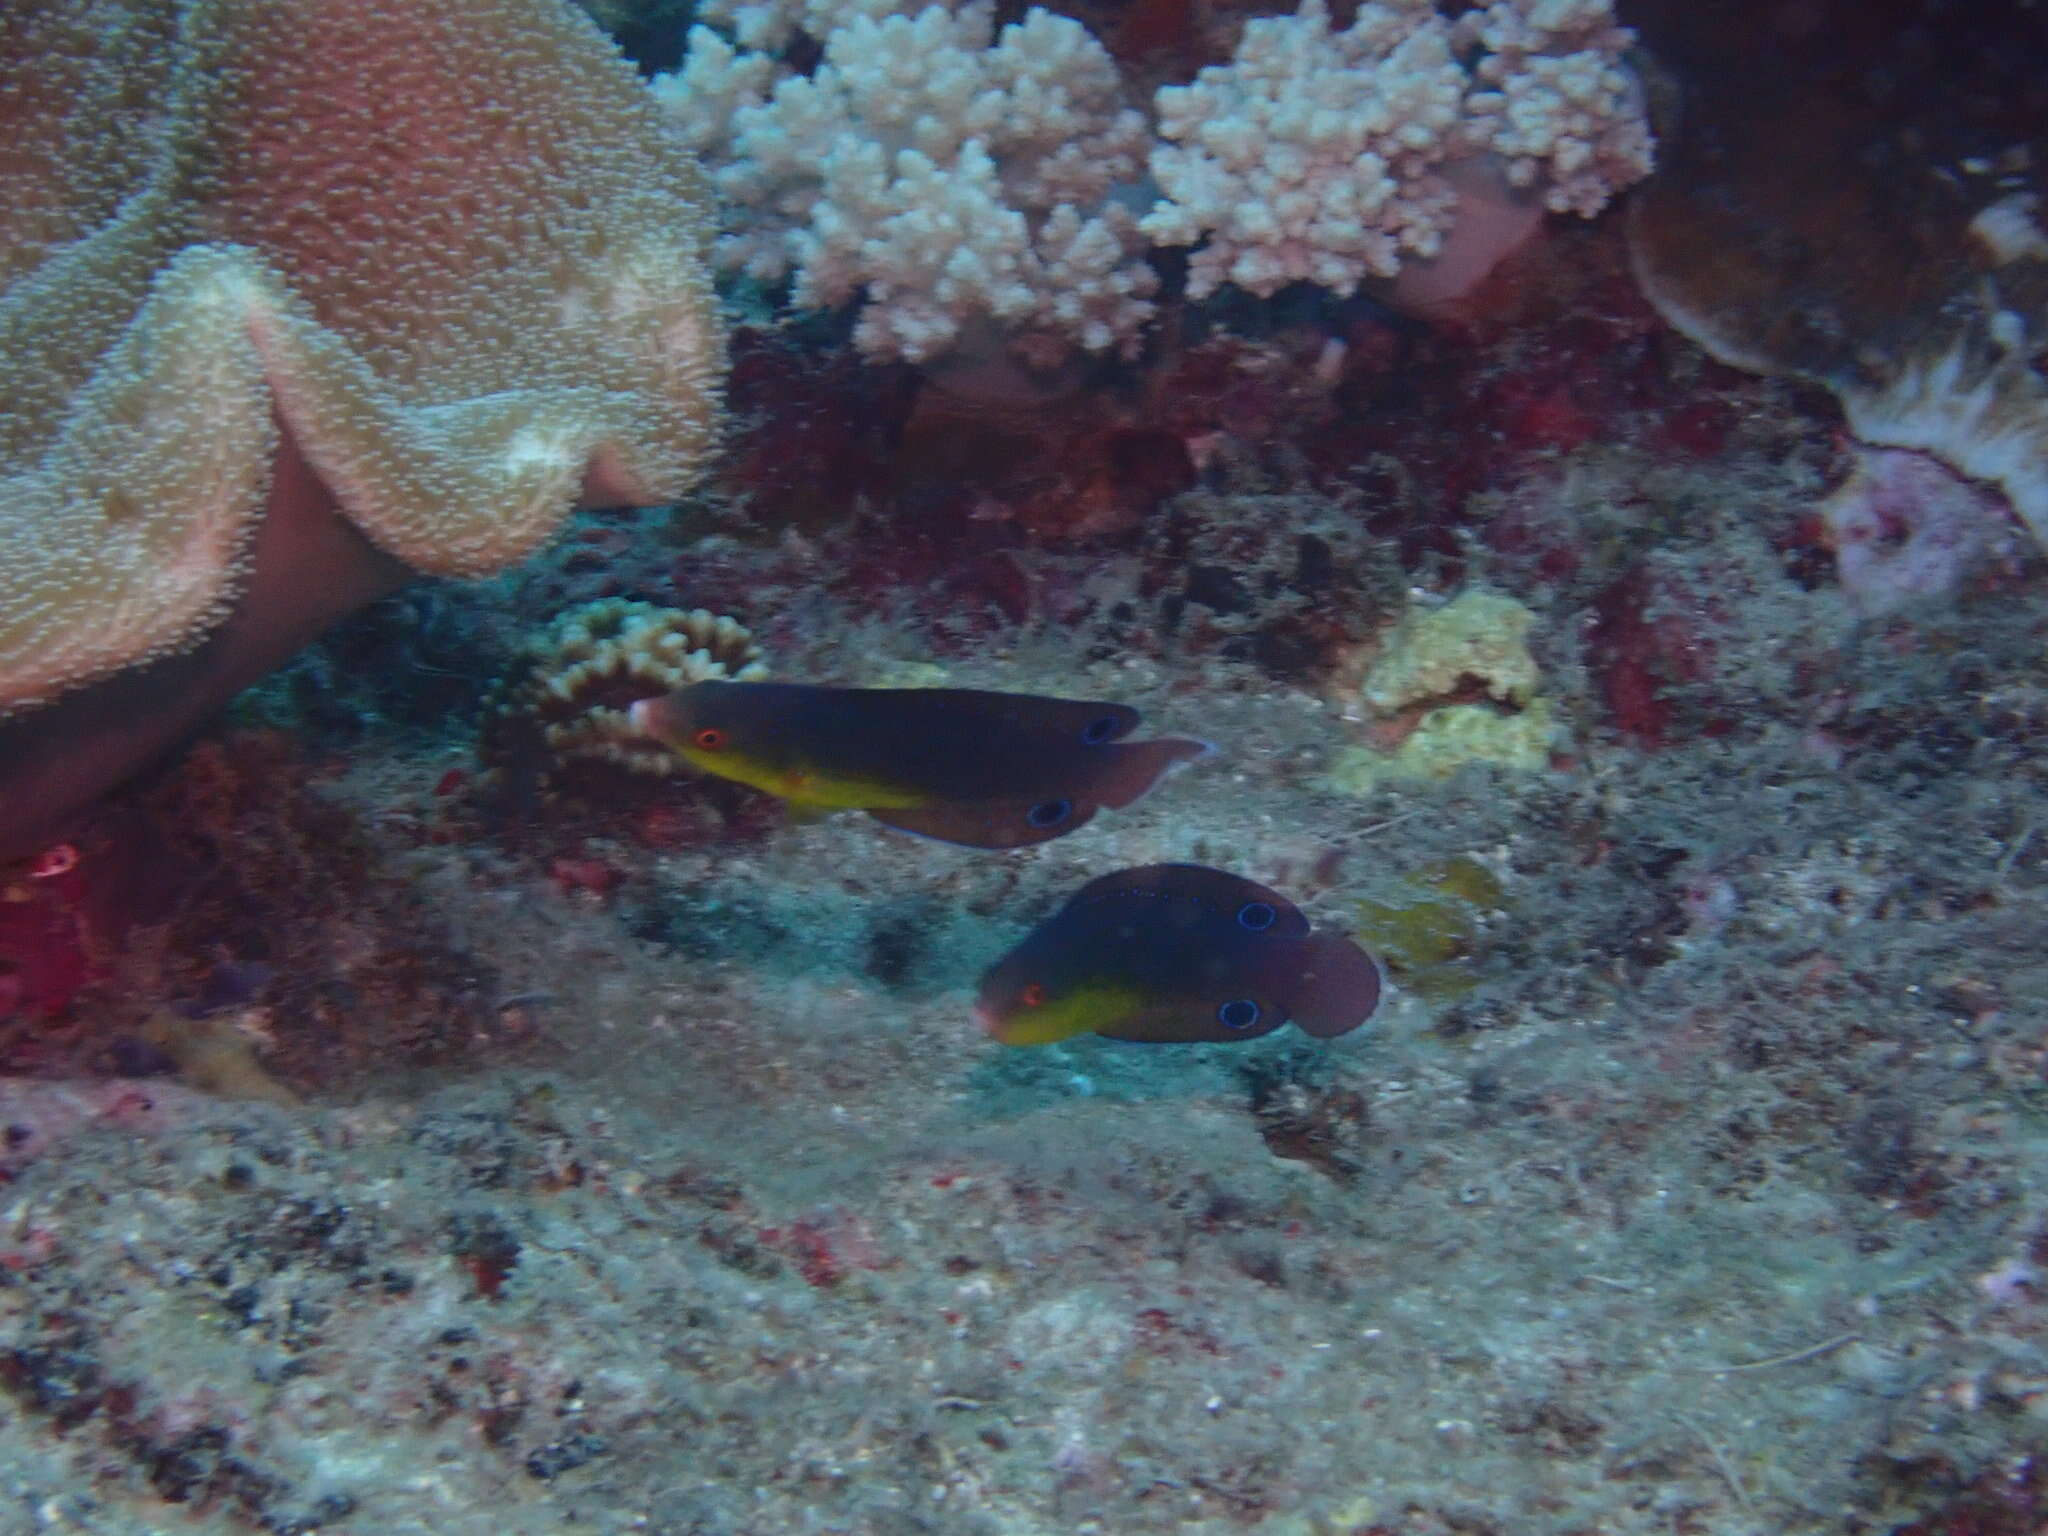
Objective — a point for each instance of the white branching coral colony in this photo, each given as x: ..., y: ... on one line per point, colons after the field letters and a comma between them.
x: 952, y: 176
x: 964, y: 184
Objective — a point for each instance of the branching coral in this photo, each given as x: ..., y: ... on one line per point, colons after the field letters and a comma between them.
x: 960, y: 181
x: 438, y: 267
x: 1319, y: 155
x: 952, y: 175
x: 770, y: 26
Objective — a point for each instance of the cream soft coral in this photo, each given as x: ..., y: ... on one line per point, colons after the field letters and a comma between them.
x: 445, y: 257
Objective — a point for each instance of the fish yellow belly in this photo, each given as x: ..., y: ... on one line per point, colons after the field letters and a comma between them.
x: 805, y: 788
x: 1084, y: 1010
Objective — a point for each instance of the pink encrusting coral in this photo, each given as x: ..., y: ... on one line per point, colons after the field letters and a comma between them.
x: 45, y: 935
x: 1908, y: 531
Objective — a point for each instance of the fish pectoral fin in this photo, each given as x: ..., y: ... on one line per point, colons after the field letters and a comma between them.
x: 989, y: 823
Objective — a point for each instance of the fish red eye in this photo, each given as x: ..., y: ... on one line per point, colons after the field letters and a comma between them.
x: 1032, y: 995
x: 711, y: 738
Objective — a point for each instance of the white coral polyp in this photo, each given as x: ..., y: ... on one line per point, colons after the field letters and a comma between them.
x: 1555, y: 101
x: 944, y: 175
x: 1314, y: 155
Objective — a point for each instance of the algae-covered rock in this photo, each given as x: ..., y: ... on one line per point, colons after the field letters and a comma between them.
x: 1447, y: 738
x: 1427, y: 932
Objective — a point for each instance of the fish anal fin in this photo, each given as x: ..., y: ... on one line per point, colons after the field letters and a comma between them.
x: 985, y: 823
x: 1130, y: 769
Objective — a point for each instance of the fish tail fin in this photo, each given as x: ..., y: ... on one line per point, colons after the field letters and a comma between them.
x: 1336, y: 988
x: 1132, y: 768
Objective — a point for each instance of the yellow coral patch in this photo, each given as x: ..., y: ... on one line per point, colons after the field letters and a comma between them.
x: 1478, y: 639
x: 1459, y: 685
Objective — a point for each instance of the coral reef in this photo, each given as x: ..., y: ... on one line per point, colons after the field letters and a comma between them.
x: 1765, y: 1181
x: 234, y: 927
x: 424, y: 1124
x: 261, y: 347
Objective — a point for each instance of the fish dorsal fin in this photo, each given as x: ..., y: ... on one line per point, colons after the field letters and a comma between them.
x: 1224, y: 897
x: 1128, y: 770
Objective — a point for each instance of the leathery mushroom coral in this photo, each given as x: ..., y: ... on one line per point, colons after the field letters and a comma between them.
x: 1787, y: 232
x: 298, y: 297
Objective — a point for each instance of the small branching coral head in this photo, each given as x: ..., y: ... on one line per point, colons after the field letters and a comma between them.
x: 566, y: 699
x: 962, y: 765
x: 980, y: 191
x: 1330, y: 156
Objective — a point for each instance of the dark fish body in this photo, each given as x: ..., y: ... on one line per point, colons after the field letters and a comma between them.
x: 1177, y: 953
x: 994, y: 770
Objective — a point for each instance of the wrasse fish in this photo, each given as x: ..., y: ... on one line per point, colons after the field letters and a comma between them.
x: 1175, y: 953
x: 992, y: 770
